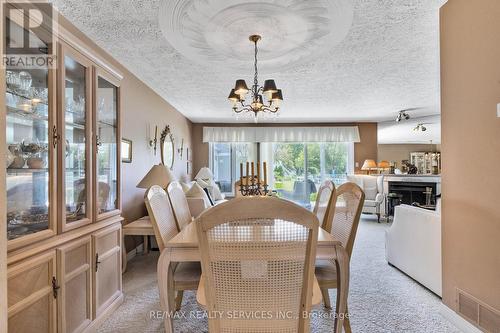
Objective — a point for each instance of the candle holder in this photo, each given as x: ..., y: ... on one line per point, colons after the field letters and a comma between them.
x: 254, y: 187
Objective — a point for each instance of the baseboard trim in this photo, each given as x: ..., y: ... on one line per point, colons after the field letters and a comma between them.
x: 94, y: 325
x: 133, y: 253
x: 457, y: 320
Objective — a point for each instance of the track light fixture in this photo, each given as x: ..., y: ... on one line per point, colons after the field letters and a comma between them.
x: 402, y: 115
x: 420, y: 128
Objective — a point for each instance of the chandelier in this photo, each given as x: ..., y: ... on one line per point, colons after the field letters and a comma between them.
x: 257, y: 104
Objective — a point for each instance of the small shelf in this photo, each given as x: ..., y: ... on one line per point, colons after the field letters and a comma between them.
x: 26, y: 98
x: 25, y: 170
x: 104, y: 123
x: 22, y: 114
x: 75, y: 125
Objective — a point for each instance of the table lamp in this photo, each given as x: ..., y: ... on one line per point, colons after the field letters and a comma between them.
x: 383, y: 165
x: 158, y: 175
x: 368, y: 166
x: 204, y: 174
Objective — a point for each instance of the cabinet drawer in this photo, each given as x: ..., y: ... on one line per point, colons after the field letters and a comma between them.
x: 30, y: 295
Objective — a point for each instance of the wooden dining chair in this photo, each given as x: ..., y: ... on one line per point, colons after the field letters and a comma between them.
x: 186, y: 274
x: 325, y: 200
x: 349, y: 204
x: 179, y: 205
x: 257, y: 258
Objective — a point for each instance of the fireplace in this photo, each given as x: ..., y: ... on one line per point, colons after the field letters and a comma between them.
x: 413, y: 192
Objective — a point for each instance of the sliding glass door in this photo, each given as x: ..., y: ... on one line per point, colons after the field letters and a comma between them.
x: 225, y: 159
x: 295, y: 170
x: 298, y: 169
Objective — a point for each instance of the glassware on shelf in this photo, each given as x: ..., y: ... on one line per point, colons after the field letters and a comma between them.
x: 12, y: 79
x: 27, y: 131
x: 25, y: 81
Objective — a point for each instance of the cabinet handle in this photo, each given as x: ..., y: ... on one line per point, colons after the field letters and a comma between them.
x: 55, y: 136
x: 55, y: 287
x: 97, y: 262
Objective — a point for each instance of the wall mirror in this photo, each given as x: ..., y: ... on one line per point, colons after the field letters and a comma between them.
x: 167, y: 147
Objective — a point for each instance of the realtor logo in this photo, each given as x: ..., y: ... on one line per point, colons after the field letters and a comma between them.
x: 28, y: 35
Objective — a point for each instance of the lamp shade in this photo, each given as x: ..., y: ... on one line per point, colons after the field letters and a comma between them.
x: 158, y: 175
x: 369, y: 165
x: 233, y: 97
x: 240, y: 87
x: 204, y: 173
x: 270, y: 86
x: 277, y: 96
x: 384, y: 165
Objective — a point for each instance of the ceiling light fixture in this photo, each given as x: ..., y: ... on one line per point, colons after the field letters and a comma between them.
x: 420, y: 128
x: 258, y: 104
x: 402, y: 115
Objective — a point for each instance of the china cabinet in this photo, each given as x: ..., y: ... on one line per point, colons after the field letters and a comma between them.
x: 426, y: 162
x: 62, y: 171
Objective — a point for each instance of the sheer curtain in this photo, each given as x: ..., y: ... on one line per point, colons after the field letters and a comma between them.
x: 281, y: 134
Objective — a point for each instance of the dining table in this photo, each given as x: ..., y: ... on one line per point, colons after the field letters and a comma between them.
x: 184, y: 248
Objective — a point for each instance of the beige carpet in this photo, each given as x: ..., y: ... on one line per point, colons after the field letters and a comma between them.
x: 381, y: 298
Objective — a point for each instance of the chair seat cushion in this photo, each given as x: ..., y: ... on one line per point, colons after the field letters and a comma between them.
x: 325, y: 271
x: 187, y: 272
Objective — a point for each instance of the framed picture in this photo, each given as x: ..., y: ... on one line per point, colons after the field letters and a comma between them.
x: 126, y: 149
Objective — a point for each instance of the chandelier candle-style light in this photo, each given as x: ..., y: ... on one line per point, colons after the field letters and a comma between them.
x: 273, y: 96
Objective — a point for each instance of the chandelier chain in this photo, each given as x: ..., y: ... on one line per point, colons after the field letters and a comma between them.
x: 255, y: 79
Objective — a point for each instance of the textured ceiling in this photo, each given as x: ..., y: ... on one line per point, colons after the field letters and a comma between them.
x: 336, y: 60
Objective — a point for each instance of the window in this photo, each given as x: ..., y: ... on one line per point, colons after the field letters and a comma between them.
x: 225, y: 159
x: 297, y: 169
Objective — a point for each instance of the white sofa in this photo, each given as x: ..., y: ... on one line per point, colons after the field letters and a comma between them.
x: 373, y: 186
x: 413, y: 244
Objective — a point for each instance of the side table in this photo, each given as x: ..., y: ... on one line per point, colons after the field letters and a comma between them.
x: 140, y: 227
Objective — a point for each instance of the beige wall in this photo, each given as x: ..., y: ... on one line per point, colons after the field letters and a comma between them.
x: 470, y: 71
x: 366, y: 149
x: 141, y: 106
x: 399, y: 152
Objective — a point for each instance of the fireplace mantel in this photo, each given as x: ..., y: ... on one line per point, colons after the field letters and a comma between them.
x: 413, y: 178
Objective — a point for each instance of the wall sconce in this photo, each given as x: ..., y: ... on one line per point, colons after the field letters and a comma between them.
x: 181, y: 149
x: 153, y: 141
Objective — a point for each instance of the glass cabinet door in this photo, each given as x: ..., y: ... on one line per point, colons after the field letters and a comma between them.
x: 75, y: 148
x: 107, y: 149
x: 29, y: 119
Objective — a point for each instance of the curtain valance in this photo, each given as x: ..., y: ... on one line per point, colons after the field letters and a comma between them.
x: 281, y: 134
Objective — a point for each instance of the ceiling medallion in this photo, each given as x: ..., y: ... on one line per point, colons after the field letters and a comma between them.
x: 210, y: 32
x: 257, y: 105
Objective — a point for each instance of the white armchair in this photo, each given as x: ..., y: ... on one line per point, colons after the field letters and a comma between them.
x: 413, y: 244
x: 373, y: 186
